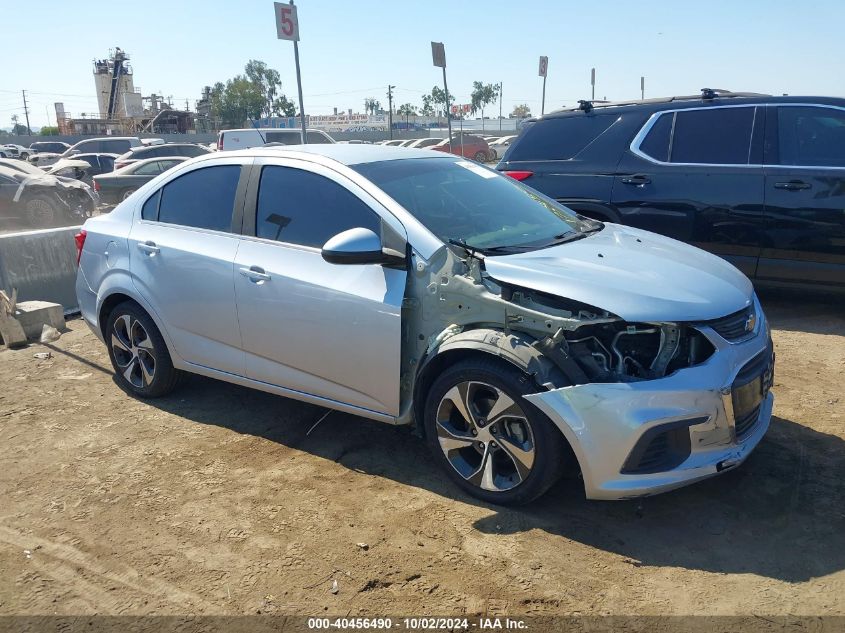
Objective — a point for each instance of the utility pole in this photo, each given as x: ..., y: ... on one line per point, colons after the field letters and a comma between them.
x: 642, y: 88
x: 390, y: 109
x: 26, y: 113
x: 186, y: 106
x: 593, y: 83
x: 500, y: 106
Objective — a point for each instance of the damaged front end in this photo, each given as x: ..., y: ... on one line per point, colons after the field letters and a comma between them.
x: 646, y: 406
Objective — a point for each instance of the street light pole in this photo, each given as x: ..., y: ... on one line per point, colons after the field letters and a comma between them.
x: 390, y: 109
x: 500, y: 106
x: 642, y: 88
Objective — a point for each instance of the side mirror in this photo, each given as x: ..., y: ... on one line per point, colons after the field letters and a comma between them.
x: 359, y: 246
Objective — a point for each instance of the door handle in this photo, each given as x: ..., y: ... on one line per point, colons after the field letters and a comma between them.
x: 148, y: 247
x: 793, y: 185
x: 638, y: 180
x: 255, y: 273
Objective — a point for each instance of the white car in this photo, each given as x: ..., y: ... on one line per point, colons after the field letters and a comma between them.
x: 12, y: 150
x: 425, y: 142
x: 500, y: 146
x: 422, y: 288
x: 257, y: 137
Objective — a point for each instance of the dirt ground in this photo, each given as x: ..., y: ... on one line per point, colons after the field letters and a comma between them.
x: 217, y: 501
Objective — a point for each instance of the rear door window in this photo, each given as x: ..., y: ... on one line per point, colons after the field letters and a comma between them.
x: 811, y: 136
x: 717, y: 136
x: 203, y: 198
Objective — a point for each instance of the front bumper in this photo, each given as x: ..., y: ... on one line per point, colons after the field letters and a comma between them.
x: 604, y: 422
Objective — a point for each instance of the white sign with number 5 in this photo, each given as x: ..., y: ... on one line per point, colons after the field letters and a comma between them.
x: 287, y: 25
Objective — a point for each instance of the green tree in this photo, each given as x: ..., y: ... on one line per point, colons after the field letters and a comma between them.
x: 407, y: 110
x: 270, y: 83
x: 49, y: 130
x: 483, y: 95
x: 253, y: 95
x: 236, y: 101
x: 427, y: 106
x: 521, y: 111
x: 438, y: 97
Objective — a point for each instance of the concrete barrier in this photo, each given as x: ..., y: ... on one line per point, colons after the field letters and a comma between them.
x: 41, y: 265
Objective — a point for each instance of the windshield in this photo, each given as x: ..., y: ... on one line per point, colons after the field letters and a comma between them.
x: 461, y: 201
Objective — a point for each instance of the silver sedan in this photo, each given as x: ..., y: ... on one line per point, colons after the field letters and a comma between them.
x: 423, y: 289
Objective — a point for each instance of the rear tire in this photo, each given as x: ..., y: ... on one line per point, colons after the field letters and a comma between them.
x: 139, y: 354
x: 508, y: 452
x: 480, y: 157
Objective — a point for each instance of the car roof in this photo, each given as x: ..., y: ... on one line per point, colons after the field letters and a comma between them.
x: 346, y: 154
x: 720, y: 97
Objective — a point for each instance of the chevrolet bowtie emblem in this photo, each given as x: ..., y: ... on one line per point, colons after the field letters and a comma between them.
x: 750, y: 322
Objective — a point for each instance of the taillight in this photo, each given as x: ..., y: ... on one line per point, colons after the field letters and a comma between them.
x: 80, y: 243
x: 220, y: 144
x: 519, y: 175
x: 96, y: 185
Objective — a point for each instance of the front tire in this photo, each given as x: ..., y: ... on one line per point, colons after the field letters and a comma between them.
x: 139, y: 354
x: 480, y: 157
x: 126, y: 193
x: 41, y: 211
x: 492, y: 442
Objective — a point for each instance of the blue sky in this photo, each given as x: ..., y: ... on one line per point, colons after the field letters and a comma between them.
x: 352, y: 49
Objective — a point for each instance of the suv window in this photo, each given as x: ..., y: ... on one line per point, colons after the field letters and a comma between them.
x: 304, y: 208
x: 656, y: 142
x: 116, y: 146
x: 315, y: 138
x: 288, y: 138
x: 810, y: 136
x: 717, y: 136
x: 203, y: 198
x: 560, y: 138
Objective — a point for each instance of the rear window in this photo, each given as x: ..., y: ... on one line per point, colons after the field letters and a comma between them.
x: 560, y: 138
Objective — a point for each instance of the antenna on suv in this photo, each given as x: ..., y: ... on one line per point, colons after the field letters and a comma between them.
x: 586, y: 106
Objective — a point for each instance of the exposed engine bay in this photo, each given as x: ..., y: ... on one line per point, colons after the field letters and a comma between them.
x: 452, y: 303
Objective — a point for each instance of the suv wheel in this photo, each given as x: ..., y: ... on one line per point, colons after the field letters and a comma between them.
x: 480, y: 157
x: 138, y: 353
x: 493, y: 443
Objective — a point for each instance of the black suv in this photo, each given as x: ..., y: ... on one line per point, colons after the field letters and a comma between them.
x: 759, y: 180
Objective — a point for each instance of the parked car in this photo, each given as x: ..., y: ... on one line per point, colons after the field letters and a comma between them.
x: 21, y: 166
x: 122, y: 183
x: 756, y: 179
x: 12, y: 150
x: 425, y: 142
x: 36, y: 201
x: 109, y: 145
x: 468, y: 145
x: 50, y: 147
x: 517, y: 336
x: 189, y: 150
x: 501, y: 145
x: 83, y: 166
x: 394, y: 143
x: 407, y: 142
x: 256, y: 137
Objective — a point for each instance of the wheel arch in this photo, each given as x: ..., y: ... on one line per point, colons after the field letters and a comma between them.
x: 513, y: 348
x: 117, y: 295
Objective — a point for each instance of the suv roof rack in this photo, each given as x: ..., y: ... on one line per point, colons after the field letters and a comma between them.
x: 706, y: 94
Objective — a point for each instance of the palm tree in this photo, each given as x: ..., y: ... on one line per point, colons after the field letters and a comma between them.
x: 407, y: 110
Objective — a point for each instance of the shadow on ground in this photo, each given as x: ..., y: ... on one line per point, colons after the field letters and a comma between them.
x: 779, y: 515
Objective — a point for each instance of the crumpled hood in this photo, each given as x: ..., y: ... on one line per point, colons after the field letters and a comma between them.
x: 635, y: 274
